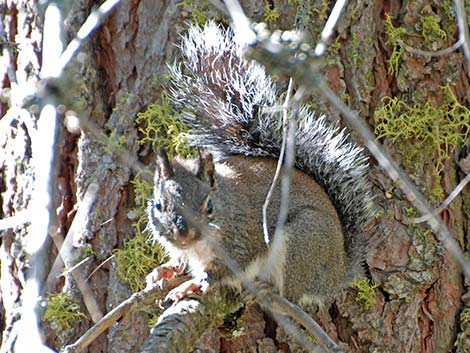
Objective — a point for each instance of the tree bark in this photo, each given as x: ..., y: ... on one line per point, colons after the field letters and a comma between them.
x: 421, y: 302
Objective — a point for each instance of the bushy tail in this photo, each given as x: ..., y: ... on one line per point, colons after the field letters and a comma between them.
x: 224, y: 98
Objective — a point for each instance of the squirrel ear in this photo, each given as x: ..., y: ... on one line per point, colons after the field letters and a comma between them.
x: 164, y: 168
x: 206, y: 170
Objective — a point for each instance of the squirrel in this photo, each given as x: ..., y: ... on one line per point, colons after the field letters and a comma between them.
x: 215, y: 202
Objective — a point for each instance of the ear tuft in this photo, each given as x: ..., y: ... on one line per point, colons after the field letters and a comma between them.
x: 206, y: 170
x: 164, y: 168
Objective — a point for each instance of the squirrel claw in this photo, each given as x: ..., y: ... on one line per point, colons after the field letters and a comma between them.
x: 164, y: 273
x: 193, y: 287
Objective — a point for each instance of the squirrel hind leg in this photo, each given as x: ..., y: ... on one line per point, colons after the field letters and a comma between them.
x: 315, y: 266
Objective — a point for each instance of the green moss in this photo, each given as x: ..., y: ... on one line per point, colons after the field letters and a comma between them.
x: 365, y: 292
x: 271, y: 14
x: 139, y: 256
x: 410, y: 212
x: 431, y: 29
x: 136, y: 260
x: 356, y: 53
x: 115, y: 143
x: 322, y: 12
x: 62, y: 311
x: 462, y: 342
x: 160, y: 126
x: 143, y: 192
x: 439, y: 128
x: 395, y: 35
x: 198, y: 10
x: 379, y: 213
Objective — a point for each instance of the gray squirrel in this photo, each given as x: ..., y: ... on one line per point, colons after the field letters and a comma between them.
x: 206, y: 210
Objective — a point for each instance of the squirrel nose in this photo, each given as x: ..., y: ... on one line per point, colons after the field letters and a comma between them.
x: 181, y: 225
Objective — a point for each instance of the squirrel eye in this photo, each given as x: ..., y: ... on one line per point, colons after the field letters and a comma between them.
x: 209, y: 207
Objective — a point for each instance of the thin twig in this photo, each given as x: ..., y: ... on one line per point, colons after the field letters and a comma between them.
x: 91, y: 24
x: 279, y: 241
x: 446, y: 202
x: 285, y: 117
x: 330, y: 24
x: 305, y: 72
x: 396, y: 174
x: 65, y: 254
x: 282, y: 305
x: 431, y: 54
x: 463, y: 30
x: 136, y: 300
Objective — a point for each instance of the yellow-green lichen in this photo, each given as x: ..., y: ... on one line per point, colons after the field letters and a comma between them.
x: 295, y: 3
x: 271, y: 13
x: 115, y: 143
x: 462, y: 342
x: 323, y: 11
x: 431, y: 29
x: 143, y: 189
x: 395, y: 36
x: 198, y: 10
x: 136, y: 260
x: 439, y: 128
x: 138, y: 256
x: 365, y: 292
x: 160, y: 126
x: 62, y: 312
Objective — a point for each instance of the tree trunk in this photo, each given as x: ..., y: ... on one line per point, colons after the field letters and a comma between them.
x: 416, y: 300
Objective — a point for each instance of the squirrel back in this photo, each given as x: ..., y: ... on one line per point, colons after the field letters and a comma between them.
x: 224, y: 101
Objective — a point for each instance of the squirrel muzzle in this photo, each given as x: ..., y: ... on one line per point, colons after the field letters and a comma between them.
x: 183, y: 236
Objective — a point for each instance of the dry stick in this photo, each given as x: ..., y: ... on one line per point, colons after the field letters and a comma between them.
x: 447, y: 201
x: 463, y: 30
x: 243, y: 25
x: 181, y: 326
x: 285, y: 117
x: 305, y: 73
x: 265, y: 299
x: 394, y: 172
x: 139, y: 299
x: 65, y: 254
x: 431, y: 54
x: 92, y: 23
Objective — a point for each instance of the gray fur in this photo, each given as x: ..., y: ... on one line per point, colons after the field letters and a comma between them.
x: 224, y: 100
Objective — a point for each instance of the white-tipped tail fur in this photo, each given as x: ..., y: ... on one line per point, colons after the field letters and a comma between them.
x: 225, y: 99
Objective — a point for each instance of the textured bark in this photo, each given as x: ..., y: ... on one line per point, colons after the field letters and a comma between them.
x: 20, y: 54
x: 421, y: 291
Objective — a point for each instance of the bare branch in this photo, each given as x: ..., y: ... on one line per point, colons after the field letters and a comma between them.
x: 431, y: 54
x: 330, y: 24
x: 279, y: 58
x: 91, y: 24
x: 134, y: 302
x: 181, y: 326
x: 65, y: 254
x: 279, y: 162
x: 463, y: 30
x: 447, y: 201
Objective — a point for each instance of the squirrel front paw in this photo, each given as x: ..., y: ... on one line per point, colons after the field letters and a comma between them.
x: 193, y: 287
x: 165, y: 272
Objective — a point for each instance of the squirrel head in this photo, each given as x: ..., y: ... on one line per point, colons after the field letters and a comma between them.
x: 181, y: 206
